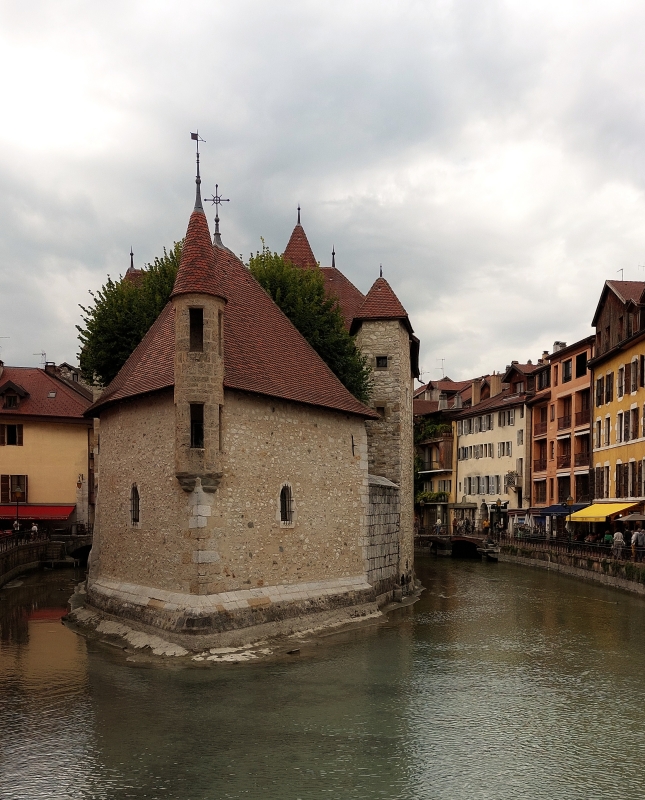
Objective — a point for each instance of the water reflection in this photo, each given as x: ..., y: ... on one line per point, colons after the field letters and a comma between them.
x: 500, y: 683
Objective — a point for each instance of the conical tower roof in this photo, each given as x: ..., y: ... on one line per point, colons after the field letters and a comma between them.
x: 198, y: 267
x: 381, y: 303
x: 298, y: 250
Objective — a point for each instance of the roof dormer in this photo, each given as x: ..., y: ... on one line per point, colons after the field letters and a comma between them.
x: 11, y: 394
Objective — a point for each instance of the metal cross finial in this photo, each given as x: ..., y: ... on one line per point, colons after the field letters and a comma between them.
x: 217, y: 201
x: 131, y: 258
x: 380, y: 270
x: 298, y: 213
x: 198, y: 198
x: 333, y: 256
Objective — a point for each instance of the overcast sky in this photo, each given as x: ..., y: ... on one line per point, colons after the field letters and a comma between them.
x: 490, y: 155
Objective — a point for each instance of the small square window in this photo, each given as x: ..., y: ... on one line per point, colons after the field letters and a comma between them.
x: 381, y: 362
x: 11, y: 401
x: 380, y: 410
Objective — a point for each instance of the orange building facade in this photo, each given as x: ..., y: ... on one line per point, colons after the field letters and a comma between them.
x: 561, y: 430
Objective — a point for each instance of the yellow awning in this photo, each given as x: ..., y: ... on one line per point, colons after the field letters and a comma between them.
x: 598, y: 512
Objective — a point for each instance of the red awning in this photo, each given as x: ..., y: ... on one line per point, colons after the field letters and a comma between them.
x: 35, y: 511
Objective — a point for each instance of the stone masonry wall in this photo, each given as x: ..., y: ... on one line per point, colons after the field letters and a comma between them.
x: 391, y: 439
x: 383, y: 523
x: 232, y: 539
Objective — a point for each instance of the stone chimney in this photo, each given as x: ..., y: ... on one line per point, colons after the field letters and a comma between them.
x: 457, y: 402
x: 477, y: 392
x: 443, y: 401
x: 495, y: 383
x: 50, y: 367
x: 558, y: 346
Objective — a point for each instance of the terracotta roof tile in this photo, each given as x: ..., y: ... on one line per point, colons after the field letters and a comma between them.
x: 381, y: 303
x: 39, y: 384
x: 349, y: 297
x: 298, y: 250
x: 263, y: 352
x: 197, y: 269
x: 628, y: 290
x: 424, y: 406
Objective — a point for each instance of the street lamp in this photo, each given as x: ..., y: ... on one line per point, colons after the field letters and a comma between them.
x: 18, y: 493
x: 570, y: 504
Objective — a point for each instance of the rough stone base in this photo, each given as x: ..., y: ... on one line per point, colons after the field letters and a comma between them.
x: 600, y: 570
x: 233, y: 618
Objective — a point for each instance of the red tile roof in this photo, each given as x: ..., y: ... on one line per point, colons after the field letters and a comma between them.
x: 349, y: 297
x: 263, y: 352
x: 298, y: 250
x: 424, y: 406
x: 628, y: 290
x: 39, y: 384
x: 381, y: 303
x: 197, y: 270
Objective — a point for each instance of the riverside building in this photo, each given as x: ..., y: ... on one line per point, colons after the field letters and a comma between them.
x: 491, y: 443
x: 618, y: 379
x: 244, y: 491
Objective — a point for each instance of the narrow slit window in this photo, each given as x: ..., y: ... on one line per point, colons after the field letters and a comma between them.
x: 196, y: 316
x: 197, y: 425
x: 286, y: 504
x: 134, y: 504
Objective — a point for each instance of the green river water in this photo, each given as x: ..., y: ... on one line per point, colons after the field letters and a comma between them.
x: 500, y: 682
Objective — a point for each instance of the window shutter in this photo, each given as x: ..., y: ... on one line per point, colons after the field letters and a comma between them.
x: 634, y: 423
x: 4, y: 489
x: 3, y: 435
x: 511, y: 416
x: 634, y: 375
x: 641, y: 372
x: 19, y: 435
x: 639, y: 480
x: 628, y: 378
x: 626, y: 426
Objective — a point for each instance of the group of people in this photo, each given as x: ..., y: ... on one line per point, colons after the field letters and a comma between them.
x: 33, y: 533
x: 618, y: 543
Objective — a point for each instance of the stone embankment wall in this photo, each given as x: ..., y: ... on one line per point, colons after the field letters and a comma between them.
x: 619, y: 574
x: 382, y: 551
x: 24, y: 557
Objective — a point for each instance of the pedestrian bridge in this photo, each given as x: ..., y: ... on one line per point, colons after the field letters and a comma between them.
x: 460, y: 544
x: 19, y: 553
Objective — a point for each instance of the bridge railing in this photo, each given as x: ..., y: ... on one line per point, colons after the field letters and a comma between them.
x: 564, y: 545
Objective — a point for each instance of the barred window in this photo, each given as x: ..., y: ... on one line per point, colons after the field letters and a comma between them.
x: 134, y: 504
x: 286, y: 504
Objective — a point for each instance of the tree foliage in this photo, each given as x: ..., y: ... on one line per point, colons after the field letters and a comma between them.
x: 121, y: 314
x: 300, y: 294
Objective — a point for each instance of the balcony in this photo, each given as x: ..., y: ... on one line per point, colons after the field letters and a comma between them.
x: 564, y: 461
x: 564, y: 422
x: 434, y: 466
x: 583, y: 417
x: 581, y: 459
x: 539, y: 429
x: 539, y: 465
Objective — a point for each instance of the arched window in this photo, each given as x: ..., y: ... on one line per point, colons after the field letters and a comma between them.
x: 134, y: 504
x: 286, y: 504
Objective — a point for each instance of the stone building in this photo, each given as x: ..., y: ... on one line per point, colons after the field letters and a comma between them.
x: 237, y: 497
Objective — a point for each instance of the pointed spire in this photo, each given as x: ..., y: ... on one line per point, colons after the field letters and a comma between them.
x: 380, y: 272
x: 298, y: 213
x: 333, y: 257
x: 198, y: 194
x: 131, y: 258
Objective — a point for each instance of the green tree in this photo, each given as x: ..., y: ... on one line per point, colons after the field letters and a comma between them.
x: 300, y: 293
x: 120, y: 316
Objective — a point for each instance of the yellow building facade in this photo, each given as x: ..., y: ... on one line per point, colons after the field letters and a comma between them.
x: 618, y: 388
x: 46, y: 448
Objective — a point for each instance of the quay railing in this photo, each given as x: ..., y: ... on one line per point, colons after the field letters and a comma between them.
x: 564, y: 545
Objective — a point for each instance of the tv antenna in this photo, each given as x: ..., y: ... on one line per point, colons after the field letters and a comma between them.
x: 443, y: 372
x: 622, y: 275
x: 43, y: 356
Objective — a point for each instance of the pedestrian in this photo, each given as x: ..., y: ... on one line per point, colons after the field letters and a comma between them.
x: 16, y: 527
x: 619, y: 543
x: 34, y: 531
x: 632, y: 541
x: 640, y: 543
x: 608, y: 538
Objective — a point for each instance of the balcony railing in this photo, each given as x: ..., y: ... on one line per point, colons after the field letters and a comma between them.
x: 564, y: 422
x: 539, y: 465
x: 583, y: 417
x: 564, y: 461
x: 581, y: 459
x: 539, y: 428
x: 434, y: 466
